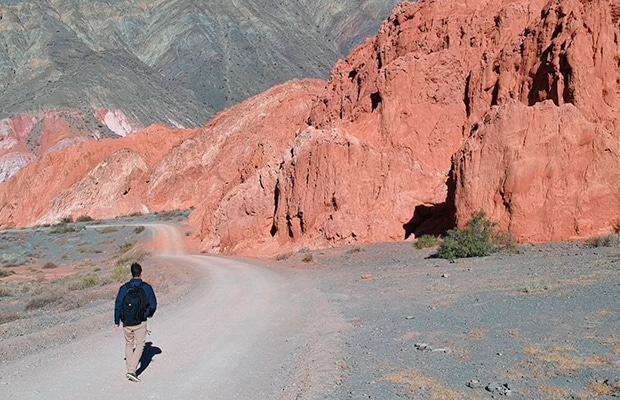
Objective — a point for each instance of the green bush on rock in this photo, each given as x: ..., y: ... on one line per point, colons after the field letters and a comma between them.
x: 478, y: 239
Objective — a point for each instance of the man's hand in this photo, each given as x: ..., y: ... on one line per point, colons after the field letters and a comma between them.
x: 115, y: 328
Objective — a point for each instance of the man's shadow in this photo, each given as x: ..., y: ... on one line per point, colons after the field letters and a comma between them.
x: 148, y: 353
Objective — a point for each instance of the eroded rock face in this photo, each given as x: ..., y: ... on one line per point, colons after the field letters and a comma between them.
x: 29, y: 136
x: 547, y: 167
x: 544, y: 173
x: 101, y: 179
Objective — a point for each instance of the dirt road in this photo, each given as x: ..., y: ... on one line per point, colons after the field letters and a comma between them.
x: 246, y: 331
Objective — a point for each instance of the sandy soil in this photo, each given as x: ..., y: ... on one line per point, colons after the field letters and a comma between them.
x: 383, y: 321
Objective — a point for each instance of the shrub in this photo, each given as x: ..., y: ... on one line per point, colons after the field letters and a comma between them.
x: 4, y: 273
x: 43, y: 300
x: 425, y: 241
x: 125, y: 247
x: 5, y: 292
x: 308, y: 258
x: 83, y: 218
x: 609, y: 240
x: 49, y: 265
x: 108, y: 229
x: 283, y: 256
x: 353, y: 250
x: 62, y: 227
x: 121, y: 270
x: 8, y: 316
x: 88, y: 281
x: 12, y: 259
x: 138, y: 229
x: 478, y: 239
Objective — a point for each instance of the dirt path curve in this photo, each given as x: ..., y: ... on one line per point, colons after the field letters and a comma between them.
x: 247, y: 332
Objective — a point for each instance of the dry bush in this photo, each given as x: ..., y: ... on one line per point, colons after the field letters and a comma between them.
x: 355, y: 249
x: 108, y: 229
x: 283, y: 256
x: 62, y: 227
x: 125, y: 247
x: 609, y: 240
x: 8, y: 316
x: 426, y: 241
x: 90, y: 250
x: 308, y: 258
x: 49, y: 265
x: 44, y: 300
x: 121, y: 270
x: 85, y: 282
x: 5, y: 272
x: 5, y: 292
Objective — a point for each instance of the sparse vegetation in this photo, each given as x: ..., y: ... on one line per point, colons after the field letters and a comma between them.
x: 283, y: 256
x: 108, y: 229
x: 426, y: 241
x: 121, y: 270
x: 124, y: 248
x: 173, y: 214
x: 90, y: 250
x: 8, y: 316
x: 355, y: 249
x: 478, y: 239
x: 5, y: 272
x: 62, y: 227
x: 5, y: 292
x: 85, y: 282
x: 43, y: 300
x: 610, y: 240
x: 83, y: 218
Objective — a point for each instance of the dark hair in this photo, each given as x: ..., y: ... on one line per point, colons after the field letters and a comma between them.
x: 136, y: 270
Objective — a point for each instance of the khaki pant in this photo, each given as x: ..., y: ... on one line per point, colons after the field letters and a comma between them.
x: 135, y: 336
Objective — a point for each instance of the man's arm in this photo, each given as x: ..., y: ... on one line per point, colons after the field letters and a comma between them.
x: 150, y: 293
x: 118, y: 305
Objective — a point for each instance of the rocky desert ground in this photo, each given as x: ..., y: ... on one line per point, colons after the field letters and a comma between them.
x: 535, y: 322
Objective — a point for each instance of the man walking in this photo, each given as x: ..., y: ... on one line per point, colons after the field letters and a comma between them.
x: 135, y: 302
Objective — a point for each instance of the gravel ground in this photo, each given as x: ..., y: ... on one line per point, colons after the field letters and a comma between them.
x: 540, y: 323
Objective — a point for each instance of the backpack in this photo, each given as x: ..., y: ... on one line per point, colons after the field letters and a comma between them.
x: 134, y: 305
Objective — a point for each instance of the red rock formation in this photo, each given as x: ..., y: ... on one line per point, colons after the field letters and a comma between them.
x: 101, y: 179
x: 392, y: 115
x: 29, y: 136
x: 544, y: 172
x: 549, y: 171
x: 516, y: 100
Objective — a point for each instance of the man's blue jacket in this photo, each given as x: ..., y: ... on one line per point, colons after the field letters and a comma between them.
x: 150, y: 294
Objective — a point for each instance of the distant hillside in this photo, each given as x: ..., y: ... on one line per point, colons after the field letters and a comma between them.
x: 169, y: 61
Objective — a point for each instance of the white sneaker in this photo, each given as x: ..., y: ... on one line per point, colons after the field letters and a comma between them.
x: 132, y: 377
